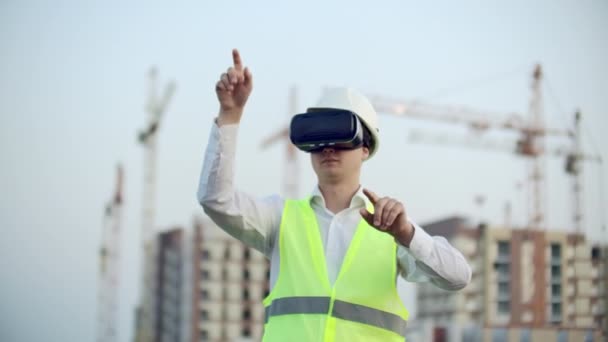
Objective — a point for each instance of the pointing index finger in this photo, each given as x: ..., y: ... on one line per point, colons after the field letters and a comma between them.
x: 371, y: 195
x: 236, y: 58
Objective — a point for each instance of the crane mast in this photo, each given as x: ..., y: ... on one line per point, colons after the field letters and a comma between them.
x: 109, y: 265
x: 148, y: 138
x: 290, y: 186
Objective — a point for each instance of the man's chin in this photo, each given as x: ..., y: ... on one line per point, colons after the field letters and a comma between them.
x: 333, y: 174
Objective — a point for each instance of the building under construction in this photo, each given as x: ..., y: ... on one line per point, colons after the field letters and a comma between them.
x: 231, y: 281
x: 527, y: 285
x: 208, y: 286
x: 172, y: 287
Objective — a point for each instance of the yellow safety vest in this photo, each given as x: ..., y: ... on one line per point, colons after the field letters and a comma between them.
x: 362, y: 305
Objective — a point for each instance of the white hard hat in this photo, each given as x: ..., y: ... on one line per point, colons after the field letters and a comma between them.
x: 353, y: 101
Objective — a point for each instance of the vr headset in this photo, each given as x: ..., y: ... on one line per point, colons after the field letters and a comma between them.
x: 315, y: 130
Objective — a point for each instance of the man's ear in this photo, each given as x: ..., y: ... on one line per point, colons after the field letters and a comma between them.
x: 365, y: 153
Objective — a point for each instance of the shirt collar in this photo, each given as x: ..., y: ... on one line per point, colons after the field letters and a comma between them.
x: 359, y: 200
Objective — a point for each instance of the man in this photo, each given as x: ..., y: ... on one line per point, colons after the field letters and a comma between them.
x: 336, y: 255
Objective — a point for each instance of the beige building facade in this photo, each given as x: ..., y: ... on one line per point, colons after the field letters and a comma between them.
x: 527, y: 285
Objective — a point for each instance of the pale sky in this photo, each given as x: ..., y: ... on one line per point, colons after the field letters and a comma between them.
x: 72, y: 76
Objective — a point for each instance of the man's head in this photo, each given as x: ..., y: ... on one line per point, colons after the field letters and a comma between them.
x: 342, y: 118
x: 340, y: 131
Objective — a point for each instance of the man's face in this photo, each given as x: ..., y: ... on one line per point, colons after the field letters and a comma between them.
x: 331, y: 164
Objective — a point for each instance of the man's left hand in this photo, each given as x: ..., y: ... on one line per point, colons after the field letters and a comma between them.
x: 389, y: 216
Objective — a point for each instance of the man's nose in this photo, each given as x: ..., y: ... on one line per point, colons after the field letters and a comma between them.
x: 328, y: 150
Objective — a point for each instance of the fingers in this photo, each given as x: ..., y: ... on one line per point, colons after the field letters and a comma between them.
x: 389, y: 207
x: 226, y: 82
x: 392, y: 215
x: 381, y: 208
x: 235, y: 76
x: 367, y: 216
x: 371, y: 196
x: 236, y: 59
x: 386, y: 211
x: 248, y: 78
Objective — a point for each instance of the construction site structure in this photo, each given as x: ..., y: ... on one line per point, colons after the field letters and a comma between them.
x: 173, y: 295
x: 229, y: 283
x: 572, y: 155
x: 522, y: 287
x: 109, y: 265
x: 148, y: 138
x: 530, y: 145
x: 574, y: 167
x: 209, y: 286
x: 291, y: 173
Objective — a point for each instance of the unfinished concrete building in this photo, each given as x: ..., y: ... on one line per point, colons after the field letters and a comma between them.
x: 230, y: 281
x: 527, y: 285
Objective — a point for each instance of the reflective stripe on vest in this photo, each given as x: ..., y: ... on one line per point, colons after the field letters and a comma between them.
x: 343, y: 310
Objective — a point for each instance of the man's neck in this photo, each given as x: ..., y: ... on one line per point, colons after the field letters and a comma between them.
x: 338, y: 196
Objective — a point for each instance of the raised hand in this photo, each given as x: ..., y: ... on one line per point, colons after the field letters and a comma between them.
x: 389, y: 216
x: 233, y: 90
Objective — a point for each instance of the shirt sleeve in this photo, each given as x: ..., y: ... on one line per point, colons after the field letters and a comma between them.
x: 254, y: 221
x: 432, y: 258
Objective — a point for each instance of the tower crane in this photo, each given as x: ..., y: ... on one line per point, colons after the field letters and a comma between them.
x: 572, y: 166
x: 109, y: 265
x: 532, y: 132
x: 573, y: 156
x: 155, y: 108
x: 290, y: 168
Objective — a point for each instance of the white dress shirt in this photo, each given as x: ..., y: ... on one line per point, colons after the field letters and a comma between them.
x: 256, y: 221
